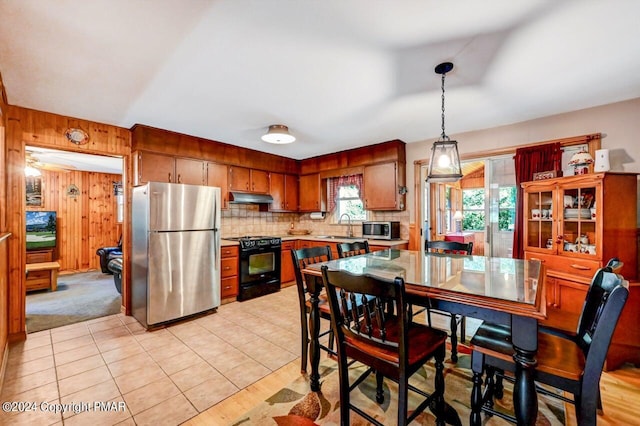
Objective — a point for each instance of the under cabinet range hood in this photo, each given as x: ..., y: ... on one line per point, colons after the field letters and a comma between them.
x: 248, y: 198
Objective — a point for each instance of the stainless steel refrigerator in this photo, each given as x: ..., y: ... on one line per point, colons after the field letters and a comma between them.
x: 175, y: 259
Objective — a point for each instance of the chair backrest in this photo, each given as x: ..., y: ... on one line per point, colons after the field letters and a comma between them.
x: 362, y: 333
x: 615, y: 265
x: 353, y: 249
x: 603, y: 316
x: 307, y: 256
x: 448, y: 247
x: 598, y: 297
x: 594, y: 295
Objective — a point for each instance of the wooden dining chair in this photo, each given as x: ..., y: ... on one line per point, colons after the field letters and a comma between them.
x: 449, y: 247
x: 302, y: 258
x: 353, y: 249
x: 384, y: 339
x: 571, y: 365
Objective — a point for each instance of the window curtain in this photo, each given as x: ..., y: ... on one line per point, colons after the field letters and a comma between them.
x: 530, y: 160
x: 336, y: 183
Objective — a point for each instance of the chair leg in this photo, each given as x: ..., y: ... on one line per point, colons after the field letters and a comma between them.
x: 498, y: 387
x: 454, y: 338
x: 304, y: 340
x: 477, y: 365
x: 429, y: 317
x: 439, y: 403
x: 403, y: 399
x: 489, y: 387
x: 379, y: 389
x: 463, y: 328
x: 345, y: 403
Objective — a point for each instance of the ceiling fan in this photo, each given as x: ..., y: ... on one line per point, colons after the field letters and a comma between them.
x: 36, y: 160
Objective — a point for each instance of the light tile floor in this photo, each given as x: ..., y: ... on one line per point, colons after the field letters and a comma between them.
x: 162, y: 377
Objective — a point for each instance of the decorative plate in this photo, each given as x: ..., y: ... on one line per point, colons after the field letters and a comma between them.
x: 77, y: 136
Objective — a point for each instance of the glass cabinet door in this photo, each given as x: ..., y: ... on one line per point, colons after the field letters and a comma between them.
x: 540, y: 220
x: 578, y: 227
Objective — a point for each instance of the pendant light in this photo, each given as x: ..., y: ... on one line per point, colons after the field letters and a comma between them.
x: 444, y: 165
x: 278, y: 134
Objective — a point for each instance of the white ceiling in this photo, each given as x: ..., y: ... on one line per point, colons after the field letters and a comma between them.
x: 339, y: 73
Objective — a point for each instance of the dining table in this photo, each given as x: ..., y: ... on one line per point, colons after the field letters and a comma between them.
x: 498, y: 290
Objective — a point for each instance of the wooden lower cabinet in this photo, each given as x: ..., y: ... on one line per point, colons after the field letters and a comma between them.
x: 287, y: 273
x: 228, y: 272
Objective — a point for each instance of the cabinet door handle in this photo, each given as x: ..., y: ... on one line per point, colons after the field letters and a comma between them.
x: 169, y: 177
x: 580, y: 267
x: 179, y: 178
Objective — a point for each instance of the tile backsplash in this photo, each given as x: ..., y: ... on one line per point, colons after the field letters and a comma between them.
x: 246, y: 219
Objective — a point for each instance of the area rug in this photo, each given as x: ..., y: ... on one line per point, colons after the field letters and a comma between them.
x: 79, y: 297
x: 296, y: 405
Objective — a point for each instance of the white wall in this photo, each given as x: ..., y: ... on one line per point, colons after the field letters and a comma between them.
x: 618, y: 123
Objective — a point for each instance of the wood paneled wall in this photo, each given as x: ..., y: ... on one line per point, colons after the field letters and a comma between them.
x: 87, y: 221
x: 37, y: 128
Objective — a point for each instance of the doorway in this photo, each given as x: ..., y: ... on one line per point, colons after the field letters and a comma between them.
x: 84, y: 194
x: 479, y: 208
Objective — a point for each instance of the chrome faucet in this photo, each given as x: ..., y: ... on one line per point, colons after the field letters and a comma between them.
x: 349, y: 229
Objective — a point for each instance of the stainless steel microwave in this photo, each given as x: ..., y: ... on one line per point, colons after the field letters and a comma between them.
x: 381, y: 230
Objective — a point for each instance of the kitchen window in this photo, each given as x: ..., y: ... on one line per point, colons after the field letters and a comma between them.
x: 349, y: 202
x: 344, y: 197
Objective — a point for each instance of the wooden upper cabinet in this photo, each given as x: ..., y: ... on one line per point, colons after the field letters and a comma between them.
x: 191, y: 172
x: 276, y: 190
x: 291, y: 192
x: 217, y: 176
x: 151, y: 167
x: 244, y: 179
x: 239, y: 179
x: 259, y: 181
x: 382, y: 187
x: 284, y: 190
x: 311, y: 194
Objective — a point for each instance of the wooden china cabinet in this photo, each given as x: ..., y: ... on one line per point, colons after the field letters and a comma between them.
x: 574, y: 225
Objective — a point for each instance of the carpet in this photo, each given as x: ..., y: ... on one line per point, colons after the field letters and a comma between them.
x: 79, y: 297
x: 296, y: 405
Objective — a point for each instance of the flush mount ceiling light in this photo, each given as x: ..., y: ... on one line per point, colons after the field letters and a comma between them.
x: 278, y: 134
x: 444, y: 165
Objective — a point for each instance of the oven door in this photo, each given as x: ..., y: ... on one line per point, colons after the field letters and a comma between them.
x: 259, y: 265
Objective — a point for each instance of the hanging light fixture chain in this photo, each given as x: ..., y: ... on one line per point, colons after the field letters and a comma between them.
x: 443, y: 136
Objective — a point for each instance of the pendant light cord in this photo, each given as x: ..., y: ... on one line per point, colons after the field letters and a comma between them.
x: 443, y: 136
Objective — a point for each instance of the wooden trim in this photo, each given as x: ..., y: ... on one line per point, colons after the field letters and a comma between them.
x: 575, y: 140
x: 346, y: 171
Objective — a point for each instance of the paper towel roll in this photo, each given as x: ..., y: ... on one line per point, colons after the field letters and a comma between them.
x: 602, y: 161
x: 317, y: 215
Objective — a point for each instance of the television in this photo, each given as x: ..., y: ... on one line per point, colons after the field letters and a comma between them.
x: 41, y: 229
